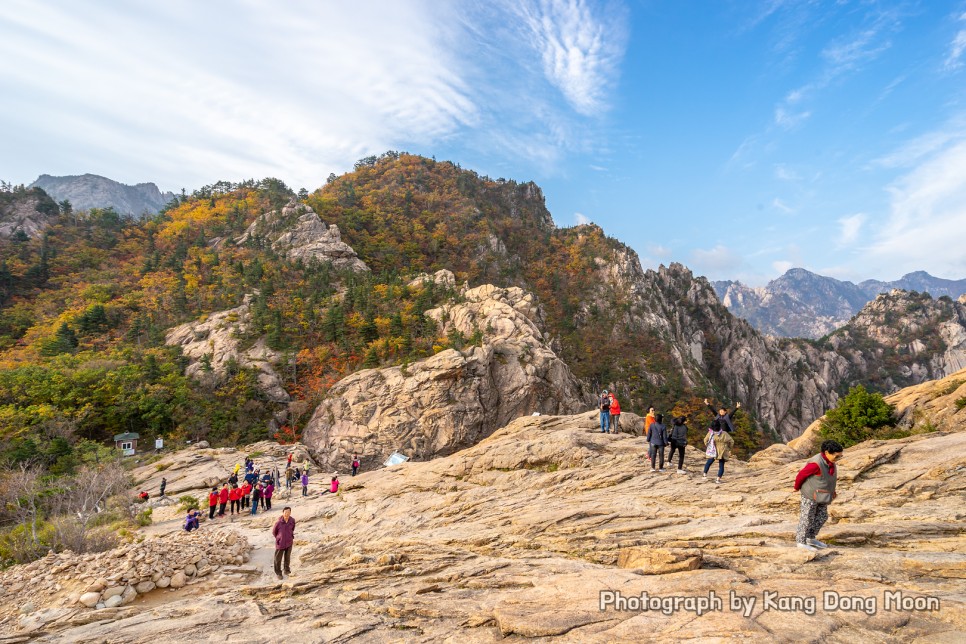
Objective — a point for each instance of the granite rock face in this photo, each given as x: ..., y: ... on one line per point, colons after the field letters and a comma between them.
x: 455, y: 398
x: 88, y: 191
x: 219, y: 337
x: 297, y: 232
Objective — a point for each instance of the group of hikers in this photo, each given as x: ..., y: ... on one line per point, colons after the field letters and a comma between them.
x: 816, y: 480
x: 718, y: 441
x: 254, y: 489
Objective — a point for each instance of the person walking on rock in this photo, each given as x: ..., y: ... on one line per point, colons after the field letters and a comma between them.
x: 256, y: 497
x: 657, y: 440
x: 284, y: 533
x: 723, y: 419
x: 678, y: 438
x: 816, y: 481
x: 267, y: 496
x: 289, y: 477
x: 212, y: 502
x: 223, y: 500
x: 234, y: 499
x: 305, y: 483
x: 604, y: 412
x: 355, y: 464
x: 718, y: 444
x: 164, y: 484
x: 615, y: 414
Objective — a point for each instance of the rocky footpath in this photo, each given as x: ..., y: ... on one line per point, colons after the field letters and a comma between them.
x: 58, y: 590
x: 212, y: 345
x: 547, y: 528
x: 298, y: 233
x: 455, y: 398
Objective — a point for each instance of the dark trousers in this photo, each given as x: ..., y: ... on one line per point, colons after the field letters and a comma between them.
x: 234, y: 506
x: 615, y: 423
x: 355, y: 468
x: 707, y: 466
x: 211, y: 511
x: 282, y: 559
x: 266, y: 503
x: 679, y: 447
x: 221, y: 509
x: 305, y: 490
x: 655, y: 452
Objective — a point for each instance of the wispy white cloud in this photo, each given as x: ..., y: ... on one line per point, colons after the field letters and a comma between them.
x: 927, y: 213
x: 785, y: 173
x: 782, y: 266
x: 778, y: 204
x: 956, y: 48
x: 182, y: 93
x: 659, y: 251
x: 849, y: 228
x: 581, y: 219
x: 716, y: 260
x: 787, y: 119
x: 581, y: 46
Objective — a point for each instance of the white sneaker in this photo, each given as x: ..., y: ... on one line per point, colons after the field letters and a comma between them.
x: 816, y: 543
x: 717, y: 480
x: 705, y: 475
x: 653, y: 470
x: 661, y: 470
x: 681, y: 472
x: 805, y: 546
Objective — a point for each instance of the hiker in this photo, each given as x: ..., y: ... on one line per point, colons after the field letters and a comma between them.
x: 305, y: 483
x: 722, y: 418
x: 256, y: 497
x: 615, y: 414
x: 246, y: 490
x: 604, y: 413
x: 657, y: 439
x: 191, y: 521
x: 816, y: 481
x: 355, y: 464
x: 284, y: 533
x: 164, y: 484
x: 142, y: 495
x: 233, y: 478
x: 267, y: 496
x: 251, y: 478
x: 289, y: 463
x: 718, y: 444
x: 289, y: 476
x: 648, y: 420
x: 223, y: 500
x: 212, y: 502
x: 234, y: 499
x: 333, y: 486
x: 678, y: 438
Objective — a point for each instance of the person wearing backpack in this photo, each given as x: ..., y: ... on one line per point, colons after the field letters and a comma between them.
x: 355, y: 464
x: 615, y: 414
x: 679, y: 440
x: 657, y: 440
x: 604, y: 401
x: 718, y: 444
x: 816, y: 481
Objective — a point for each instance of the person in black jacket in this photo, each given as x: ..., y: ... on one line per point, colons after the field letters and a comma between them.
x: 723, y: 419
x: 679, y: 440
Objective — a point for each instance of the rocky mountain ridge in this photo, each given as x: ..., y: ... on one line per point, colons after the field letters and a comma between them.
x: 802, y: 304
x: 88, y: 191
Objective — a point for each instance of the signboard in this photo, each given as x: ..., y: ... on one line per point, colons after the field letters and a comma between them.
x: 158, y: 443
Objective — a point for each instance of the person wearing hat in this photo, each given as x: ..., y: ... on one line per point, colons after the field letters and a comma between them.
x: 605, y: 412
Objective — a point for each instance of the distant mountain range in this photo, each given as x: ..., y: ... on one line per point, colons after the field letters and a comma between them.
x: 801, y: 304
x: 92, y: 191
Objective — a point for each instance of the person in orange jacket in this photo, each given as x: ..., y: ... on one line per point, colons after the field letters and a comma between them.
x: 212, y: 502
x: 648, y: 420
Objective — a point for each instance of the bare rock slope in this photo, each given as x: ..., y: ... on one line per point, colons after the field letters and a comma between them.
x: 524, y: 534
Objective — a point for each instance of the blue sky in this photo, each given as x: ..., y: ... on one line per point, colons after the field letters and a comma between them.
x: 740, y: 138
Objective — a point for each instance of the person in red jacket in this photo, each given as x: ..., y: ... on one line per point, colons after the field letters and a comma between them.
x: 817, y: 481
x: 234, y: 499
x: 246, y: 495
x: 212, y: 502
x: 615, y: 414
x: 223, y: 500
